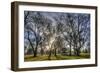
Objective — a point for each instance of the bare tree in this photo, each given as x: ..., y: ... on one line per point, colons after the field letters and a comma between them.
x: 55, y: 30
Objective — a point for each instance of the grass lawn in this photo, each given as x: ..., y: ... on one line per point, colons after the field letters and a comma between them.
x: 58, y: 57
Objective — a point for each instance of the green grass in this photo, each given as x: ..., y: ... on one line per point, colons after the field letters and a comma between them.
x: 58, y: 57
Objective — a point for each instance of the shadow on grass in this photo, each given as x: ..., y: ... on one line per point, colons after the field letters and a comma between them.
x: 71, y: 57
x: 58, y: 57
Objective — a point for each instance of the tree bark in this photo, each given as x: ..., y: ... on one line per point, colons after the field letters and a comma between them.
x: 35, y: 51
x: 42, y: 51
x: 49, y: 57
x: 70, y: 47
x: 55, y: 52
x: 30, y: 42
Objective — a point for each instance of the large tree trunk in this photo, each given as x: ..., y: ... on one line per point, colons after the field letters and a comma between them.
x: 49, y: 57
x: 75, y: 49
x: 35, y: 51
x: 70, y: 47
x: 30, y: 43
x: 42, y: 51
x: 55, y: 52
x: 78, y: 52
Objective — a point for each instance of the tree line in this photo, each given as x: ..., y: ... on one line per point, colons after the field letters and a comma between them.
x: 52, y: 33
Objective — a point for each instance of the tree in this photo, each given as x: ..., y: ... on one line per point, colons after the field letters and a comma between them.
x: 83, y: 31
x: 32, y: 33
x: 78, y: 31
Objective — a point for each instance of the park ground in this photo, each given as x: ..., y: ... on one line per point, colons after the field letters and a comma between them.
x: 58, y: 57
